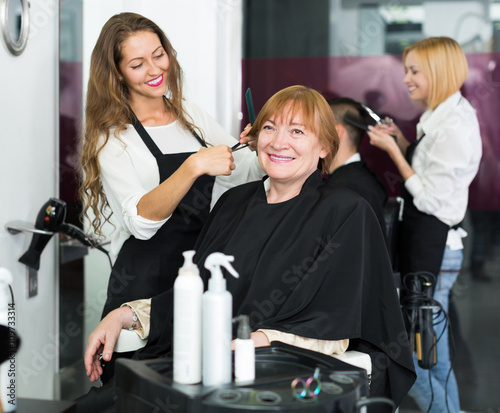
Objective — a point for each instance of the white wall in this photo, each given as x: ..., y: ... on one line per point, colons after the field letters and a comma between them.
x: 29, y: 176
x: 190, y: 26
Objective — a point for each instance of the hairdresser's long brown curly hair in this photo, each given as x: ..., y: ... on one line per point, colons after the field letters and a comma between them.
x: 108, y: 105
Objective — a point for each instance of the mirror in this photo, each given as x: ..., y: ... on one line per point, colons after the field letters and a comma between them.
x: 14, y: 20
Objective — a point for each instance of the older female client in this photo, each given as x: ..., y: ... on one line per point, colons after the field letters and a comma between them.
x: 314, y: 271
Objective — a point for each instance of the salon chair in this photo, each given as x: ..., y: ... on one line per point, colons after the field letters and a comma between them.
x: 357, y: 359
x: 129, y: 341
x: 393, y: 214
x: 393, y: 210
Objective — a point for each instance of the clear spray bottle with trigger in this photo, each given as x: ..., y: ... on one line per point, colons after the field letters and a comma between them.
x: 217, y: 322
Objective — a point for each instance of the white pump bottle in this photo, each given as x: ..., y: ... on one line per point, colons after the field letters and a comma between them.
x: 217, y: 322
x: 188, y: 290
x: 244, y: 352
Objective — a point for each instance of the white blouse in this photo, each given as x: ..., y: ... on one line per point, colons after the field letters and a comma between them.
x: 446, y: 162
x: 129, y: 170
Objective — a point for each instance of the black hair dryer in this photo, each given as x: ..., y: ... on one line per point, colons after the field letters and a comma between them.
x: 50, y: 219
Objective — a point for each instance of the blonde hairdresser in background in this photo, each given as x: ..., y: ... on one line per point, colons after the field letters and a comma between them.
x: 437, y: 170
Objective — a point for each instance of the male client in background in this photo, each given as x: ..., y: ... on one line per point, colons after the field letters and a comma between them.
x: 348, y: 169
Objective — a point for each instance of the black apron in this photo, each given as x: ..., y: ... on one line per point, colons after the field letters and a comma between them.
x: 422, y: 236
x: 145, y: 268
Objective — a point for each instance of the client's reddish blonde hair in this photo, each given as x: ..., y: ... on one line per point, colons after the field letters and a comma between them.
x: 316, y: 113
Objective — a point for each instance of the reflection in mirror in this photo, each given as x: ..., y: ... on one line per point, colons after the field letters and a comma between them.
x: 14, y: 20
x: 404, y: 26
x: 495, y: 20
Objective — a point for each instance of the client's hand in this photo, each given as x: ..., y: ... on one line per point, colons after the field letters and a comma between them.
x: 103, y: 340
x: 259, y: 339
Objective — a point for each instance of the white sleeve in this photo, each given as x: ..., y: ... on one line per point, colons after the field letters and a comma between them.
x: 123, y: 189
x: 449, y: 165
x: 247, y: 164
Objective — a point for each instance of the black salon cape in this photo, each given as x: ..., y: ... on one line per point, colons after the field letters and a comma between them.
x: 315, y: 266
x: 357, y: 177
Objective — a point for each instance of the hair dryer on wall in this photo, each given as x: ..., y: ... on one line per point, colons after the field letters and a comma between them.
x: 50, y: 219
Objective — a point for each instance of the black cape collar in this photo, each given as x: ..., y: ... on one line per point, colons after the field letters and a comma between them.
x: 312, y: 182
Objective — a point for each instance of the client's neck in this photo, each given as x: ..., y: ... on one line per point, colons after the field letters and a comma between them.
x: 343, y: 154
x: 282, y: 191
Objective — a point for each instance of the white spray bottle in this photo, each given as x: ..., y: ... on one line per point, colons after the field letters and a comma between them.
x: 217, y: 322
x: 188, y: 290
x: 8, y: 368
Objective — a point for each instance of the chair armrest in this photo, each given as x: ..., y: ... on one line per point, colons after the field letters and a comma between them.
x: 129, y: 341
x: 356, y: 358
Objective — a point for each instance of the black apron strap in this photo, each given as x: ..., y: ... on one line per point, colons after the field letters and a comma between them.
x: 145, y: 137
x: 410, y: 151
x: 148, y: 141
x: 202, y: 142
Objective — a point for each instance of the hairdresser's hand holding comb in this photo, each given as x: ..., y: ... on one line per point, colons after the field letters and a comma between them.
x: 245, y: 138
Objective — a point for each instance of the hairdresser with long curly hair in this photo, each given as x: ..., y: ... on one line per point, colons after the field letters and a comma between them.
x: 437, y: 170
x: 149, y: 158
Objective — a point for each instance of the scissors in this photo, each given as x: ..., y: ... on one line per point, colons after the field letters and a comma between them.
x: 307, y: 389
x: 251, y: 116
x: 376, y: 117
x: 373, y: 115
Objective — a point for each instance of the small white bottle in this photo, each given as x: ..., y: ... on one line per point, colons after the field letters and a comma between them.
x: 8, y: 368
x: 244, y: 352
x: 188, y: 291
x: 217, y: 322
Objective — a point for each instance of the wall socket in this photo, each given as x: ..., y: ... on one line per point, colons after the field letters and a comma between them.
x: 32, y: 282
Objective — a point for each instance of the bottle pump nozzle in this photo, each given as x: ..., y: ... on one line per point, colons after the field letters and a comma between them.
x: 189, y: 266
x: 244, y: 329
x: 213, y: 263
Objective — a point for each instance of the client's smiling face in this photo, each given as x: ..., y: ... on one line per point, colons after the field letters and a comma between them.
x: 288, y: 151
